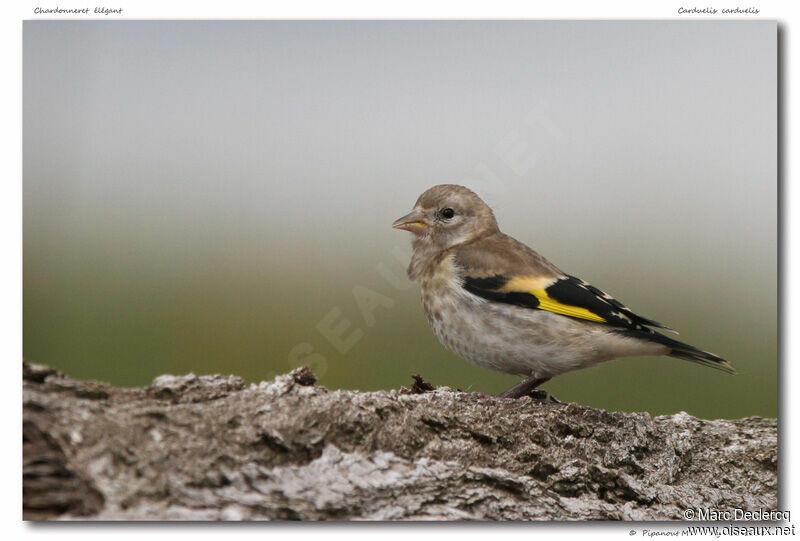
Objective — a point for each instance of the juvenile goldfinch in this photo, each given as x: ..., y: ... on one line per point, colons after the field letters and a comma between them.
x: 500, y: 305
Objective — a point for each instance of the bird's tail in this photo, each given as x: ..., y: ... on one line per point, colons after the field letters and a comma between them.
x: 686, y: 352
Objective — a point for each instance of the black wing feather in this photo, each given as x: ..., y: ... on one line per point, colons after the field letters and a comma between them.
x: 567, y: 290
x: 489, y: 288
x: 621, y: 308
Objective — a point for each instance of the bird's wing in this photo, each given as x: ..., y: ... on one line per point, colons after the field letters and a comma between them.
x: 506, y: 271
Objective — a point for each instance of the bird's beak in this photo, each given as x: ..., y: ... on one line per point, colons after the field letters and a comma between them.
x: 414, y: 221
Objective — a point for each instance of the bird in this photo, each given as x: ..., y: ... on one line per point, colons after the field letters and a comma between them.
x: 498, y: 304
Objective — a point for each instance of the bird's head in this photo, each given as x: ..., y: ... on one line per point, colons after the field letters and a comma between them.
x: 447, y: 215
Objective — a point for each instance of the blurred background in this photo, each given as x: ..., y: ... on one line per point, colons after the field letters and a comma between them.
x: 216, y: 197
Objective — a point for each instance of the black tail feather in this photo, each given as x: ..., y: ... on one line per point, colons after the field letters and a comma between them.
x: 683, y: 351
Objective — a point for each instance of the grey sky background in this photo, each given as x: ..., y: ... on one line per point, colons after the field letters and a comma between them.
x: 225, y: 154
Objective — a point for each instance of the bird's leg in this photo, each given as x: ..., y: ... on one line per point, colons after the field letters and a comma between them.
x: 526, y: 388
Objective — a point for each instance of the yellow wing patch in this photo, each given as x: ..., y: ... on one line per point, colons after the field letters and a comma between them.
x: 536, y: 285
x: 528, y: 283
x: 546, y: 303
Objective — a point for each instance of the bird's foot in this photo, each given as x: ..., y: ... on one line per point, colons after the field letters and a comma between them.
x: 543, y: 396
x: 529, y: 388
x: 524, y: 388
x: 535, y: 394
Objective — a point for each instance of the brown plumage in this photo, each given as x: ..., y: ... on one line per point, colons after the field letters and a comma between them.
x: 501, y: 305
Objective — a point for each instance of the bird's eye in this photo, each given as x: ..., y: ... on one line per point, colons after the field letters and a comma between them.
x: 448, y: 213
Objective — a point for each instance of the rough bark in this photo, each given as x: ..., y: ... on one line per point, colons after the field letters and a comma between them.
x: 211, y: 447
